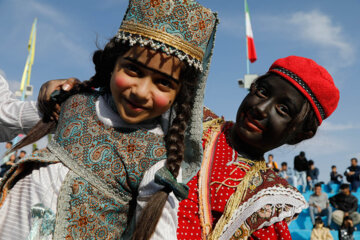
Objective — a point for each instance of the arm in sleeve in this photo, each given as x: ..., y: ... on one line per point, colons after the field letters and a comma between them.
x: 332, y: 201
x: 311, y: 200
x: 357, y: 173
x: 346, y: 172
x: 328, y: 235
x: 354, y: 204
x: 167, y: 225
x: 313, y: 234
x: 15, y: 116
x: 316, y: 173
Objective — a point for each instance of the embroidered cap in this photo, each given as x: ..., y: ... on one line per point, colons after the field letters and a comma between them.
x: 312, y: 80
x: 180, y: 28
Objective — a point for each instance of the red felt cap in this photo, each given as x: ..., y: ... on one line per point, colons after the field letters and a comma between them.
x: 312, y: 80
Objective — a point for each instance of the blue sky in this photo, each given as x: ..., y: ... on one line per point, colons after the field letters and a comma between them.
x: 324, y: 30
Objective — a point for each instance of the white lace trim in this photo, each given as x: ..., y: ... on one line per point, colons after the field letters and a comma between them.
x: 273, y: 196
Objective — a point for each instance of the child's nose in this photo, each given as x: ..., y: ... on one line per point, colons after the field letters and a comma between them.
x: 142, y: 89
x: 261, y: 109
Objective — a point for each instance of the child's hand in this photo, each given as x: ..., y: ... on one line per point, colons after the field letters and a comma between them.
x: 48, y: 107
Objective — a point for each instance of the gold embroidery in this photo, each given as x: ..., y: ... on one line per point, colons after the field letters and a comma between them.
x: 161, y: 36
x: 236, y: 198
x: 239, y: 166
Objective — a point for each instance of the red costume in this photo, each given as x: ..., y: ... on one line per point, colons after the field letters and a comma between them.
x: 265, y: 202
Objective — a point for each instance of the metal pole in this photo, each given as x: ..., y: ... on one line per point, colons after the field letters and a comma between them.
x: 25, y: 80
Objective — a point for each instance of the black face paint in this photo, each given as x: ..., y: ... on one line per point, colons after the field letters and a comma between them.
x: 264, y: 116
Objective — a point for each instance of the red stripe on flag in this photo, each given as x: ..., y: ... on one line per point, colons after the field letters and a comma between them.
x: 251, y: 50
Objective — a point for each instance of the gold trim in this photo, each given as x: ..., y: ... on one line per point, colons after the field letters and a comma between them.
x: 236, y: 198
x: 161, y: 36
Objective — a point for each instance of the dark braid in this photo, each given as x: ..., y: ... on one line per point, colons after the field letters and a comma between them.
x: 104, y: 61
x: 176, y: 134
x: 151, y: 214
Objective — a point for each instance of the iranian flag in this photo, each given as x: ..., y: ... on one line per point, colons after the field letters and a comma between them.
x: 251, y: 52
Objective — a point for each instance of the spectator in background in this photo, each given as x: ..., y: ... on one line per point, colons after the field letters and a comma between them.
x: 319, y: 232
x: 346, y: 204
x: 335, y: 177
x: 312, y: 174
x: 272, y: 164
x: 346, y: 230
x: 7, y: 165
x: 352, y: 174
x: 300, y: 167
x: 319, y: 205
x: 287, y: 173
x: 21, y: 155
x: 8, y: 146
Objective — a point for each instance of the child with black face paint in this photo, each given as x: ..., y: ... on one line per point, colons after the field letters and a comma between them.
x: 234, y: 195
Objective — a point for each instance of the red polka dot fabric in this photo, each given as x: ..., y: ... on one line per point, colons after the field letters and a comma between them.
x: 277, y: 231
x: 188, y: 215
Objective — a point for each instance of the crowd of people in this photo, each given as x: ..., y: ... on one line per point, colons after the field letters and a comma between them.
x: 341, y: 209
x: 10, y: 159
x: 304, y: 174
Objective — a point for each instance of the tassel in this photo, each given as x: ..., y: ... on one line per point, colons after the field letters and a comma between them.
x: 44, y: 222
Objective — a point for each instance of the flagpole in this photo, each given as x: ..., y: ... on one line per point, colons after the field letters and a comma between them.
x: 247, y: 47
x: 25, y: 80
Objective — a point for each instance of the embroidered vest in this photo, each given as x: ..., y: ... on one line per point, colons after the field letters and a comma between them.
x: 98, y: 196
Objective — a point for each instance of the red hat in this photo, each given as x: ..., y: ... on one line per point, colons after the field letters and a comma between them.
x: 312, y: 80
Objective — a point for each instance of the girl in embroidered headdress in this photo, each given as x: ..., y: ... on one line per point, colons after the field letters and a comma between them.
x: 119, y: 142
x: 234, y: 195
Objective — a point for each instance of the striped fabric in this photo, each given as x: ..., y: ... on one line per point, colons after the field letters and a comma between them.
x: 42, y: 186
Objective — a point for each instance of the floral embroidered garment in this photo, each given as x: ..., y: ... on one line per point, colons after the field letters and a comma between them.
x: 268, y: 201
x: 97, y: 197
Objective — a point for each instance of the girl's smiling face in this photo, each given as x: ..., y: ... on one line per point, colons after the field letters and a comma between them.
x: 265, y: 118
x: 144, y: 84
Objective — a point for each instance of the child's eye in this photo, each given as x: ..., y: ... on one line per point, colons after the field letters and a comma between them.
x: 165, y: 84
x: 132, y: 70
x: 261, y: 91
x: 283, y: 109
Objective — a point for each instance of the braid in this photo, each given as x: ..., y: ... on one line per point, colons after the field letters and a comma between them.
x: 151, y: 214
x: 104, y: 61
x: 176, y: 135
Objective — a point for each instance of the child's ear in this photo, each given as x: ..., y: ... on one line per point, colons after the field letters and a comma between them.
x: 300, y: 136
